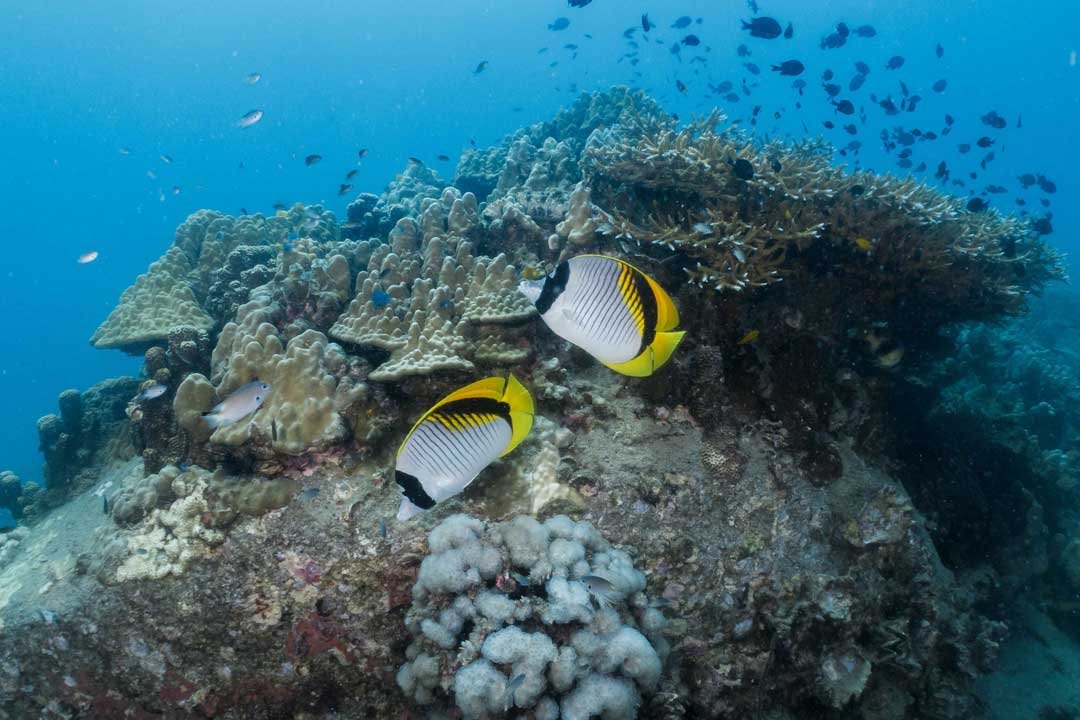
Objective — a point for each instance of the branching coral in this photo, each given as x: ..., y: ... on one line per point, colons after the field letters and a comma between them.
x: 747, y: 215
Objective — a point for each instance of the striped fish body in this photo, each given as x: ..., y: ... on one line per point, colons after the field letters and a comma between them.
x: 610, y: 309
x: 457, y: 438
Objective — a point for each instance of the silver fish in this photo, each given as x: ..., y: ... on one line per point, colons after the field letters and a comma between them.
x: 702, y: 228
x: 511, y: 688
x: 250, y: 119
x: 602, y: 589
x: 154, y: 391
x: 253, y: 78
x: 243, y: 402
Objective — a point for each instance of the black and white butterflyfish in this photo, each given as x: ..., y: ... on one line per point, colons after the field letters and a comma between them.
x: 609, y: 309
x: 457, y: 438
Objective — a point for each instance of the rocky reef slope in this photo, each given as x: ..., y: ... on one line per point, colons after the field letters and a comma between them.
x: 254, y: 570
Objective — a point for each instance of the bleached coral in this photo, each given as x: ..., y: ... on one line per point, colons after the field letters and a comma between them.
x: 169, y: 539
x: 499, y: 601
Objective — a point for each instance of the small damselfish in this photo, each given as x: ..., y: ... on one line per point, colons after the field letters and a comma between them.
x: 457, y: 438
x: 609, y: 309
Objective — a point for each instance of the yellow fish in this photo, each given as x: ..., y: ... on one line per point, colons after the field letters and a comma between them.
x: 749, y: 337
x: 282, y: 213
x: 864, y: 244
x: 457, y: 438
x: 609, y: 309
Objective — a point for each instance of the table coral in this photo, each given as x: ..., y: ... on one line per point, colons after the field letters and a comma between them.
x: 159, y: 300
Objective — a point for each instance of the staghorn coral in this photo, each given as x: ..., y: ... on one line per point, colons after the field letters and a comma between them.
x: 895, y: 239
x: 430, y: 303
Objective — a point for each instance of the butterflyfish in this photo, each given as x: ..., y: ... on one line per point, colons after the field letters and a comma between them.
x: 609, y: 309
x: 457, y: 438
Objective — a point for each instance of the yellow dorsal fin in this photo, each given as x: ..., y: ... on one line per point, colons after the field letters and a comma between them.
x: 522, y: 409
x: 491, y: 387
x: 667, y: 316
x: 653, y: 358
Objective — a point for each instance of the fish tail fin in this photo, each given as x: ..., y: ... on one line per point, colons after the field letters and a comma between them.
x: 664, y: 345
x: 212, y: 420
x: 407, y: 510
x: 522, y: 409
x: 746, y: 25
x: 654, y: 356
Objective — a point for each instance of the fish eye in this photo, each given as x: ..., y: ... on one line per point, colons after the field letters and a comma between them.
x: 258, y: 398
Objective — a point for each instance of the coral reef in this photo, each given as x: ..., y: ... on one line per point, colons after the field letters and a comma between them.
x: 797, y: 509
x: 434, y: 306
x: 517, y: 595
x: 90, y: 423
x: 746, y: 216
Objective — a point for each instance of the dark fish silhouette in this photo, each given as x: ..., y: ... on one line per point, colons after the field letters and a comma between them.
x: 312, y: 160
x: 964, y: 148
x: 691, y: 40
x: 940, y: 86
x: 895, y: 62
x: 679, y: 85
x: 856, y: 83
x: 842, y: 30
x: 994, y: 120
x: 1027, y: 180
x: 789, y: 67
x: 831, y: 89
x: 344, y: 188
x: 578, y: 3
x: 829, y: 124
x: 481, y: 67
x: 361, y: 153
x: 866, y: 31
x: 939, y: 51
x: 763, y: 27
x: 977, y: 205
x: 827, y: 75
x: 351, y: 174
x: 1043, y: 225
x: 742, y: 169
x: 984, y: 142
x: 742, y: 51
x: 1046, y: 185
x: 559, y: 24
x: 645, y: 24
x: 833, y: 41
x: 862, y: 68
x: 754, y: 69
x: 845, y: 107
x: 789, y: 31
x: 682, y: 22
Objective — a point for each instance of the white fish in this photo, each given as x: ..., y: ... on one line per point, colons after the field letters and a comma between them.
x: 511, y: 688
x: 602, y: 589
x: 154, y: 391
x: 250, y: 119
x: 88, y: 257
x: 609, y: 309
x: 239, y: 405
x: 253, y: 78
x: 703, y: 228
x: 457, y: 438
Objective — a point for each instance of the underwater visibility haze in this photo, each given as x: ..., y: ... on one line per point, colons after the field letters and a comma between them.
x: 550, y: 359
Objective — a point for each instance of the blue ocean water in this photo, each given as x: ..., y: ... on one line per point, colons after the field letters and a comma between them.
x: 81, y: 81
